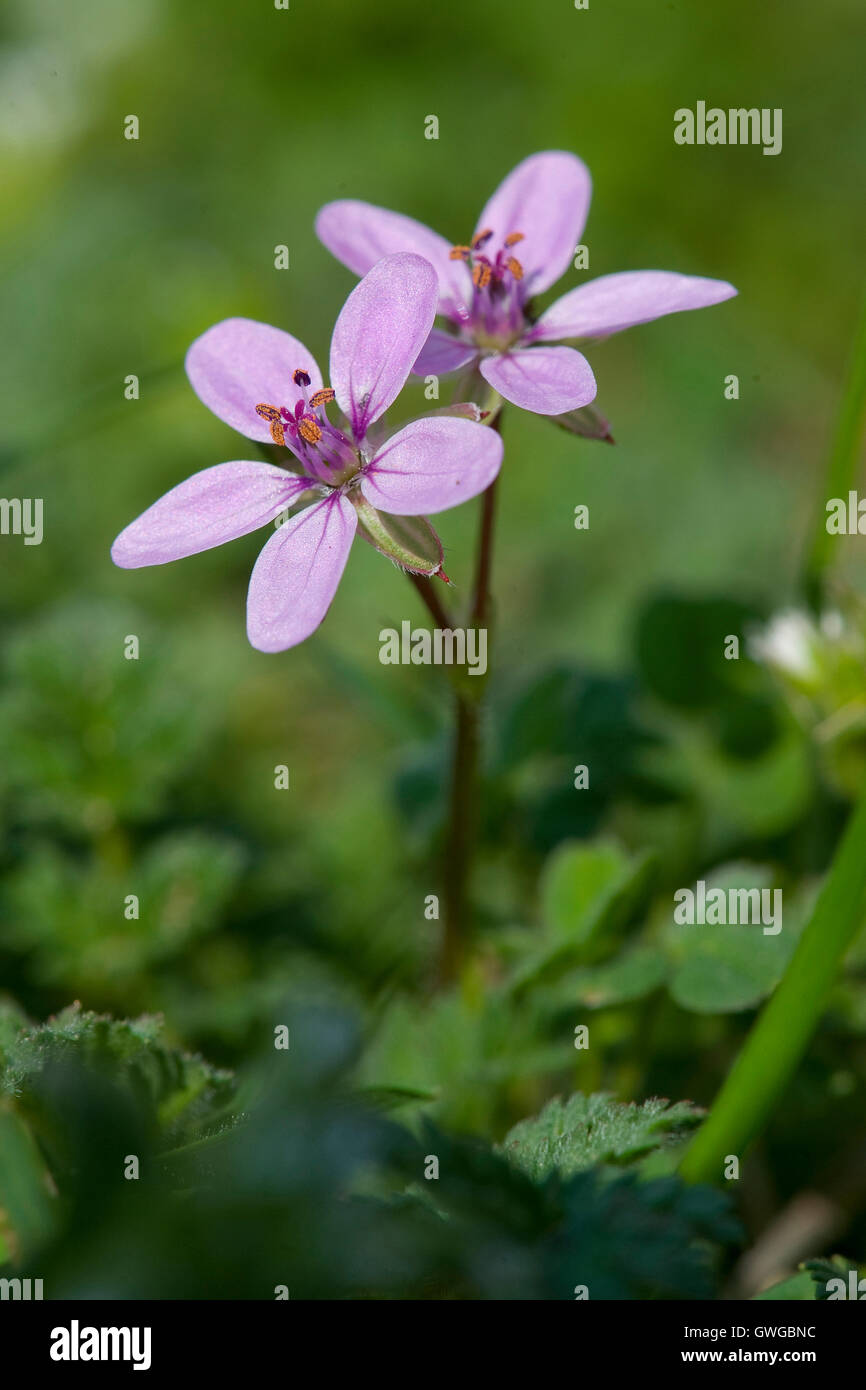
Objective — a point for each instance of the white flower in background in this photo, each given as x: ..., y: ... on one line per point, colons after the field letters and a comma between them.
x: 791, y: 642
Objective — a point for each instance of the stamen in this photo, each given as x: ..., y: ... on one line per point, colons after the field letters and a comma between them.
x: 513, y: 238
x: 480, y: 237
x: 277, y: 432
x: 322, y: 397
x: 515, y: 267
x: 309, y: 430
x: 481, y: 276
x: 268, y: 412
x: 459, y: 253
x: 300, y: 377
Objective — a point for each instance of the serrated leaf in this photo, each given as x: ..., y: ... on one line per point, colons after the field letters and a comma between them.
x: 181, y: 1091
x: 570, y: 1136
x: 13, y: 1020
x: 631, y: 1238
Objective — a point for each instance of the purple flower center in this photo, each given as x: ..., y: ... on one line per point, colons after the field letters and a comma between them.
x: 324, y: 450
x: 496, y: 314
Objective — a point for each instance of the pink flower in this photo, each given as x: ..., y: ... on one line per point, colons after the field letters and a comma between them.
x: 266, y: 384
x: 525, y: 239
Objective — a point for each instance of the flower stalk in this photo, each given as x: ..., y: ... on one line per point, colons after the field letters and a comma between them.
x: 462, y: 825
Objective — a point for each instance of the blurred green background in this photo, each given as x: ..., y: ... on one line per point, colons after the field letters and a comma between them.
x: 156, y: 777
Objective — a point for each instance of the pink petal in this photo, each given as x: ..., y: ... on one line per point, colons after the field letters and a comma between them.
x: 359, y: 235
x: 547, y: 199
x: 548, y: 381
x: 442, y: 354
x: 213, y: 506
x: 614, y: 302
x: 297, y: 573
x: 431, y: 465
x: 239, y: 364
x: 382, y: 327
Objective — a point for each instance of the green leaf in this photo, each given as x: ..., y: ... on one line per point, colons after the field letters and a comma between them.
x: 726, y: 968
x: 629, y: 976
x: 761, y: 796
x: 387, y: 1098
x: 809, y: 1284
x: 578, y: 885
x: 620, y: 1235
x: 461, y: 1054
x: 778, y: 1040
x: 798, y: 1288
x: 12, y: 1020
x: 181, y: 1092
x: 681, y: 645
x: 570, y: 1136
x: 87, y: 737
x: 628, y: 1238
x: 821, y: 1271
x: 27, y: 1203
x: 588, y: 892
x: 68, y: 913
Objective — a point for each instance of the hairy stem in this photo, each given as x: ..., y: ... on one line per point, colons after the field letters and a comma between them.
x: 481, y: 590
x: 462, y: 810
x: 463, y: 794
x: 430, y: 598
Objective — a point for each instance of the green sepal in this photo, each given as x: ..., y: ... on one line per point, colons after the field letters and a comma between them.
x: 587, y: 422
x: 409, y: 541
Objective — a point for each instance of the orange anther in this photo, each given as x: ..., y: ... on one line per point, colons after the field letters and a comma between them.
x: 268, y: 412
x: 309, y: 429
x: 322, y: 397
x: 513, y: 238
x: 515, y: 267
x: 277, y: 432
x: 481, y: 276
x: 459, y: 253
